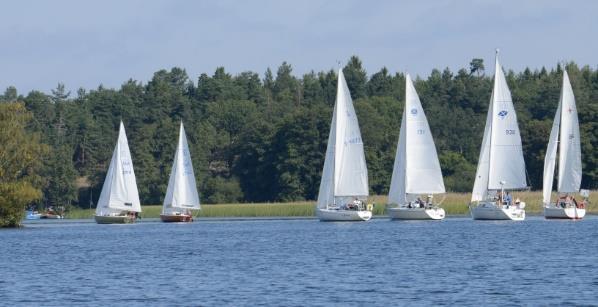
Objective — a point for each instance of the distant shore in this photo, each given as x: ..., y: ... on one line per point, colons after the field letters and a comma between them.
x: 453, y: 203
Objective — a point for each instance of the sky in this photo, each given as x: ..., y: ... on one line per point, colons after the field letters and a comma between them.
x: 88, y: 43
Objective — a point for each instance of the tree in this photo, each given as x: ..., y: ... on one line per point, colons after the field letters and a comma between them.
x: 356, y: 77
x: 10, y: 95
x: 20, y: 161
x: 476, y: 66
x: 60, y: 94
x: 60, y: 174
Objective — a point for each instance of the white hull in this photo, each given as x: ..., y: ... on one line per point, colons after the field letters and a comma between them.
x: 402, y: 213
x: 490, y: 211
x: 343, y: 215
x: 553, y: 212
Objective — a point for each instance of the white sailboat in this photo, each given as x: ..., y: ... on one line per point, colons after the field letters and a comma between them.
x: 501, y: 166
x: 181, y: 194
x: 566, y: 124
x: 344, y: 184
x: 416, y: 168
x: 119, y: 200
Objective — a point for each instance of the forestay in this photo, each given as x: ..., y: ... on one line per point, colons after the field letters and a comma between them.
x: 182, y: 190
x: 119, y: 192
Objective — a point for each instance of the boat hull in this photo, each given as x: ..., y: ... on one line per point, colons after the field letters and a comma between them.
x: 402, y: 213
x: 33, y: 215
x: 331, y: 215
x: 564, y: 213
x: 50, y: 216
x: 114, y: 219
x: 490, y: 211
x: 176, y: 218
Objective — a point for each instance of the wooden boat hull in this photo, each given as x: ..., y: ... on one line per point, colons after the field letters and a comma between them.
x: 176, y: 218
x: 333, y: 215
x: 490, y: 211
x: 119, y: 219
x: 564, y: 213
x: 402, y: 213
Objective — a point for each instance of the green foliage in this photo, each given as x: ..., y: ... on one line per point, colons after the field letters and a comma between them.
x: 255, y: 140
x: 20, y: 161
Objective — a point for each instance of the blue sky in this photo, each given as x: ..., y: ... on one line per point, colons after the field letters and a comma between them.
x: 88, y: 43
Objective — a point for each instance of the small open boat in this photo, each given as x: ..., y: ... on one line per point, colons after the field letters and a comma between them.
x: 32, y: 215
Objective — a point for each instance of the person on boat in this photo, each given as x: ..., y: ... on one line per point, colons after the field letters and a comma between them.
x: 517, y: 201
x: 508, y: 199
x: 418, y: 202
x: 356, y: 203
x: 574, y: 201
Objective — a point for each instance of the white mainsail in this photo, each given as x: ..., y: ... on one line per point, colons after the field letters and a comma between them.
x: 416, y: 169
x: 182, y: 190
x: 501, y: 164
x: 569, y: 179
x: 119, y: 192
x: 345, y: 172
x: 565, y: 121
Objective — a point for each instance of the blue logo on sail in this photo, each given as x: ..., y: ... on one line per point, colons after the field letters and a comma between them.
x: 414, y: 111
x: 502, y: 114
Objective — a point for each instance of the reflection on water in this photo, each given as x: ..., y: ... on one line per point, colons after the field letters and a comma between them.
x: 301, y: 262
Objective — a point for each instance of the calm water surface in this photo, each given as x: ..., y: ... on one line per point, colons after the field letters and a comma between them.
x: 301, y: 262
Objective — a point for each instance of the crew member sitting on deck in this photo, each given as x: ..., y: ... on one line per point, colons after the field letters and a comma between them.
x: 508, y: 199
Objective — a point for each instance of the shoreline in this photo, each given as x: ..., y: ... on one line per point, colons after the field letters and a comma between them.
x: 254, y: 218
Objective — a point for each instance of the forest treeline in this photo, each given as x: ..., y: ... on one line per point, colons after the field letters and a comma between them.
x: 257, y: 140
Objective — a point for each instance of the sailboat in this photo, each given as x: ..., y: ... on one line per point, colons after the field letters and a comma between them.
x: 416, y: 168
x: 501, y: 166
x: 567, y: 125
x: 344, y: 184
x: 181, y: 194
x: 119, y: 199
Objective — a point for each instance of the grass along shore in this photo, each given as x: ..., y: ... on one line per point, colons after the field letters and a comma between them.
x: 453, y: 204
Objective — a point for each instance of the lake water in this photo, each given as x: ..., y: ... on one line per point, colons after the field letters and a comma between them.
x: 301, y: 262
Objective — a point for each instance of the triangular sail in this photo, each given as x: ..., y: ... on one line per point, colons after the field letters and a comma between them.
x: 480, y: 186
x: 416, y: 169
x: 570, y: 149
x: 345, y: 172
x: 396, y: 193
x: 326, y: 192
x: 350, y: 170
x: 182, y: 190
x: 507, y: 167
x: 423, y: 174
x: 550, y: 158
x: 119, y: 192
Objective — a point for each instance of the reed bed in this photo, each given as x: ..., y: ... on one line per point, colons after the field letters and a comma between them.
x: 453, y: 204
